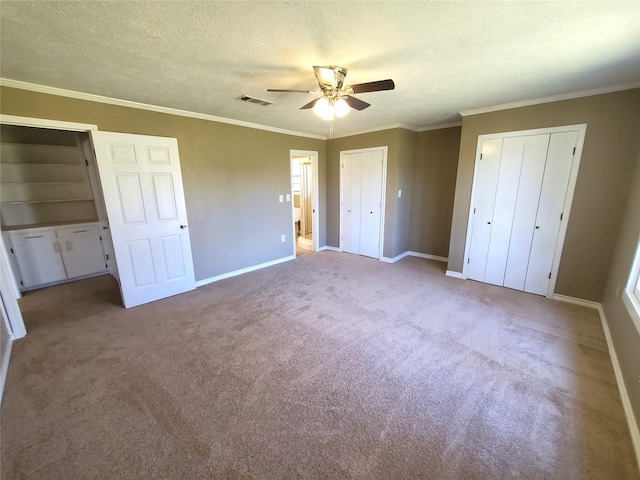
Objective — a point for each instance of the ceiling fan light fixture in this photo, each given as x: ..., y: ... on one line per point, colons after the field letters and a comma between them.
x: 324, y: 109
x: 341, y: 107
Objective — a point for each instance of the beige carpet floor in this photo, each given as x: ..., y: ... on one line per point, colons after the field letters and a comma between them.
x: 332, y: 366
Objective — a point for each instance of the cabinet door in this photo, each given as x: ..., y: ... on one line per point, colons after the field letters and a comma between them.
x: 39, y: 263
x: 82, y: 255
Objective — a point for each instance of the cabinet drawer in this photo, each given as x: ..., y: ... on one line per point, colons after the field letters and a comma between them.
x: 20, y: 238
x: 78, y: 231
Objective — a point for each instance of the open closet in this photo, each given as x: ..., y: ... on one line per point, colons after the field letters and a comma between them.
x: 52, y: 213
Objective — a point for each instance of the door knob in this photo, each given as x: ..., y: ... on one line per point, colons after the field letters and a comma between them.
x: 488, y: 223
x: 537, y: 227
x: 183, y: 226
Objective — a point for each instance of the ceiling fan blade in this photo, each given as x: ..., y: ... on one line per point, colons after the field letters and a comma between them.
x: 356, y: 103
x: 310, y: 104
x: 373, y: 86
x: 294, y: 91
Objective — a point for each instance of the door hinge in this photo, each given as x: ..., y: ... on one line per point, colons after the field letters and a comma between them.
x: 86, y: 161
x: 574, y: 151
x: 468, y: 259
x: 561, y: 216
x: 474, y: 210
x: 549, y: 275
x: 21, y: 283
x: 107, y: 255
x: 100, y: 238
x: 106, y: 266
x: 12, y: 251
x: 480, y: 156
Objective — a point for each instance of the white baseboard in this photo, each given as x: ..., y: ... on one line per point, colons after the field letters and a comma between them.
x: 428, y: 256
x: 450, y: 273
x: 235, y: 273
x: 624, y: 396
x: 394, y: 259
x: 5, y: 366
x: 576, y: 301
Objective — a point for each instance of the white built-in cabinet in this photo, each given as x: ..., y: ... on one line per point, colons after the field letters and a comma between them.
x: 362, y: 198
x: 522, y: 189
x: 44, y: 256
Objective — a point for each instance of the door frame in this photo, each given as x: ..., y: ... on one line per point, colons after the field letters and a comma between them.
x: 9, y: 294
x: 385, y: 150
x: 315, y: 217
x: 581, y: 130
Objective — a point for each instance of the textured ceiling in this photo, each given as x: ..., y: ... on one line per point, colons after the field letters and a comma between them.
x: 445, y: 57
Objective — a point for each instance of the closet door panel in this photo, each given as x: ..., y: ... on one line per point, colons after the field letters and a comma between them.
x: 351, y: 203
x: 371, y: 203
x: 552, y: 198
x: 506, y: 193
x: 484, y: 201
x: 526, y: 207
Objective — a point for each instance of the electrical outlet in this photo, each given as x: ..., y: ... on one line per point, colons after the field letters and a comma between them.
x: 399, y: 193
x: 283, y: 238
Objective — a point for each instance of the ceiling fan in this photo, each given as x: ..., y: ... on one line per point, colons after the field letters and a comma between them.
x: 336, y: 97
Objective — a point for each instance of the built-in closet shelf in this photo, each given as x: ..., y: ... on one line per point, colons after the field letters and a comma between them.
x: 49, y: 224
x: 44, y: 184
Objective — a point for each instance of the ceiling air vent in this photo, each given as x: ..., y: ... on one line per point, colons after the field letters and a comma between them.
x: 259, y: 101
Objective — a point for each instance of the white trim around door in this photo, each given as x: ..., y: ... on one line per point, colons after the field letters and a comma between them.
x: 385, y: 151
x: 580, y: 129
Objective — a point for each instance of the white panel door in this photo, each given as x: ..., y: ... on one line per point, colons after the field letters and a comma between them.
x: 351, y: 203
x: 484, y: 201
x: 526, y: 206
x: 371, y: 197
x: 506, y: 193
x: 143, y: 192
x: 552, y: 198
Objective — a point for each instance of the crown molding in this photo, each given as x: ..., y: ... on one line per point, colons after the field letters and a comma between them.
x: 6, y: 82
x: 440, y: 126
x: 552, y: 98
x: 373, y: 130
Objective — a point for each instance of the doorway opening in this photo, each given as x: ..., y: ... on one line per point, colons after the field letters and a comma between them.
x: 304, y: 193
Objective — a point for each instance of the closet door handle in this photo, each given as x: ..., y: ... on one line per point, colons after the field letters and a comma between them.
x: 488, y: 223
x: 183, y: 227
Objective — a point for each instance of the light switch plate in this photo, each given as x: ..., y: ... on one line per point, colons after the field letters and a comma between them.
x: 281, y: 198
x: 399, y: 193
x: 288, y: 197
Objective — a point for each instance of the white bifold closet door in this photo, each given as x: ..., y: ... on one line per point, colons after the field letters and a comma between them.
x: 521, y: 185
x: 362, y: 202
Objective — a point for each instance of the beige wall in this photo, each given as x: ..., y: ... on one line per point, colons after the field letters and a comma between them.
x: 232, y: 176
x: 610, y: 153
x: 399, y: 173
x: 624, y: 334
x: 434, y: 183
